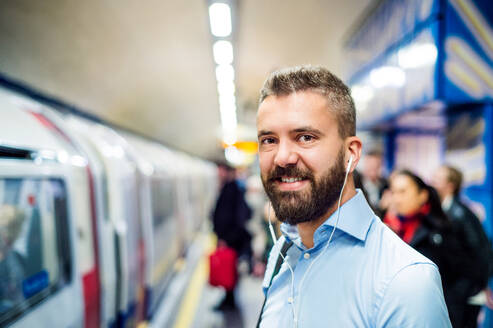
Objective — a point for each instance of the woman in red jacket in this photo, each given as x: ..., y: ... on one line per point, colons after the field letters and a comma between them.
x: 420, y: 221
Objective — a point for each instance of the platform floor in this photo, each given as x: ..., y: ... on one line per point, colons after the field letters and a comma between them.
x: 249, y: 299
x: 191, y: 300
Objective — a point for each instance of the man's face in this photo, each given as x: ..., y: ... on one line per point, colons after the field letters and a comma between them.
x: 441, y: 184
x: 301, y: 155
x: 406, y: 197
x: 373, y: 167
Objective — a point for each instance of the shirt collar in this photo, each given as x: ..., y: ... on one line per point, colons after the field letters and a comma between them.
x: 355, y: 220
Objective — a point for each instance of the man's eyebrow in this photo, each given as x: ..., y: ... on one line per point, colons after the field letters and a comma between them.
x: 262, y: 133
x: 308, y: 129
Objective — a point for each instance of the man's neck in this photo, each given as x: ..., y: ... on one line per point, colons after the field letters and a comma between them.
x: 306, y: 230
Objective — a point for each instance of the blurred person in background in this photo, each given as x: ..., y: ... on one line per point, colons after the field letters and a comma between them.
x: 256, y: 200
x: 448, y: 182
x: 11, y: 262
x: 267, y: 215
x: 420, y: 221
x: 229, y: 221
x: 372, y: 180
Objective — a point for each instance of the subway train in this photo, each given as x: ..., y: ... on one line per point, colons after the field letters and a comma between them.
x: 94, y: 220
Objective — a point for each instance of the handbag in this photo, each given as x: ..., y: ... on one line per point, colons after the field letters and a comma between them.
x: 222, y: 268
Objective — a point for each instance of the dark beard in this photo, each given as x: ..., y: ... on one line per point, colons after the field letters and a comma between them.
x: 296, y: 207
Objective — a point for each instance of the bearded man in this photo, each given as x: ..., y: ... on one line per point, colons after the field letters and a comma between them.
x: 333, y: 267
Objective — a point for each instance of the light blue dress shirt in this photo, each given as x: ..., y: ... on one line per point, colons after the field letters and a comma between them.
x: 367, y: 277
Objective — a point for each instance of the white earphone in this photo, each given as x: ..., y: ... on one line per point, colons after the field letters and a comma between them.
x: 271, y: 229
x: 350, y: 162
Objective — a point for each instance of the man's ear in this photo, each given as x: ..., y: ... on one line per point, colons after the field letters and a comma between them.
x: 353, y: 147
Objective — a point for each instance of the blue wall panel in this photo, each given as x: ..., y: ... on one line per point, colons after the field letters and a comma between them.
x: 468, y: 51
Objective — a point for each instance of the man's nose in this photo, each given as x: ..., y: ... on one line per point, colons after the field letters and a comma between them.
x: 286, y: 155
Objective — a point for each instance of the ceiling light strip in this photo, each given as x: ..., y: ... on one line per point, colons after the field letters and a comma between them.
x: 221, y: 29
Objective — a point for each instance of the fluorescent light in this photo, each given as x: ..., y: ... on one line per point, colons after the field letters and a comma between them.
x: 231, y: 108
x: 228, y: 115
x: 362, y: 93
x: 223, y: 52
x: 226, y: 88
x: 229, y: 137
x: 227, y: 99
x: 220, y: 19
x: 229, y: 121
x: 225, y: 73
x: 387, y: 76
x: 417, y: 55
x: 234, y: 156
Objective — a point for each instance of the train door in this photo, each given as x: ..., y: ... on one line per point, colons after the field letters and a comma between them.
x: 107, y: 256
x: 163, y: 241
x: 121, y: 173
x: 39, y: 285
x: 84, y: 214
x: 168, y: 243
x: 184, y: 211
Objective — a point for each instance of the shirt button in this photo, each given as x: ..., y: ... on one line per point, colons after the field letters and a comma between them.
x: 306, y: 256
x: 290, y: 300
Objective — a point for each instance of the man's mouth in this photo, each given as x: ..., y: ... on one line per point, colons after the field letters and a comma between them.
x: 289, y: 180
x: 286, y: 183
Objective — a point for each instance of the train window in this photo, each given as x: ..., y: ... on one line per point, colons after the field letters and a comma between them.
x: 164, y: 227
x: 105, y: 195
x: 162, y: 200
x: 34, y: 244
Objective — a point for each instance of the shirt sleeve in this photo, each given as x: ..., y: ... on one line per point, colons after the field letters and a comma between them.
x: 414, y: 298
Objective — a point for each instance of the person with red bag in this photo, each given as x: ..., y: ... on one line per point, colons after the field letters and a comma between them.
x: 229, y: 224
x: 222, y: 265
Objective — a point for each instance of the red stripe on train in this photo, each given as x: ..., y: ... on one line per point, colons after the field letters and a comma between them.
x: 90, y: 281
x: 91, y: 299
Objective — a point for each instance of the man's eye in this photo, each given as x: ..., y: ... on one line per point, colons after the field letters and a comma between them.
x: 306, y: 138
x: 266, y: 141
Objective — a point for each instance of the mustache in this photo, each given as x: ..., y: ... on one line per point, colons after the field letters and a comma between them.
x: 290, y: 171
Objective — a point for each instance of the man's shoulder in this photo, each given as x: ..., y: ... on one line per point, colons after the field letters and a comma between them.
x: 413, y: 298
x: 391, y: 253
x: 459, y: 209
x: 407, y: 284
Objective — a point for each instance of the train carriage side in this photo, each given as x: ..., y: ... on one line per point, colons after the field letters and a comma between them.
x: 78, y: 128
x: 164, y: 241
x: 40, y: 219
x: 123, y: 211
x: 184, y: 203
x: 134, y: 205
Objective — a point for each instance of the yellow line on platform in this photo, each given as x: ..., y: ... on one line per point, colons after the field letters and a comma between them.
x: 191, y: 299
